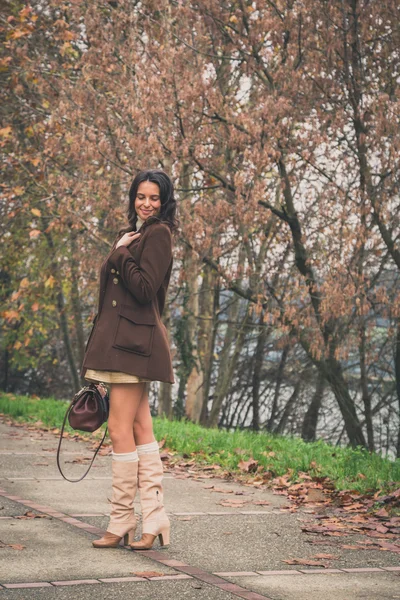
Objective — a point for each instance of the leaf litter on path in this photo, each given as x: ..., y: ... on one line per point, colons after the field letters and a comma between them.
x: 31, y: 515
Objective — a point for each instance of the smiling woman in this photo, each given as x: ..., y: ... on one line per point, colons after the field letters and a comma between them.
x: 127, y: 348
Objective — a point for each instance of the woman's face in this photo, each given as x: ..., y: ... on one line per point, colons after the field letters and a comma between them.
x: 147, y: 201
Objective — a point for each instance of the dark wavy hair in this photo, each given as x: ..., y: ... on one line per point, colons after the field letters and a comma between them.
x: 167, y: 210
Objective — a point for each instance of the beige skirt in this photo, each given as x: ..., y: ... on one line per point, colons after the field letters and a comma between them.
x: 112, y: 377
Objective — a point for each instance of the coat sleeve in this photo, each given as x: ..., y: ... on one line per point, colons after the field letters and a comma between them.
x: 144, y: 281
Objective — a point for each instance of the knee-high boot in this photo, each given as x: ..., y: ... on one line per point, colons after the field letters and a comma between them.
x: 154, y: 518
x: 122, y: 522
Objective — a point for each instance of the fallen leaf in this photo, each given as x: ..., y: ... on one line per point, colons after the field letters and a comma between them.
x: 105, y: 452
x: 232, y: 503
x: 305, y: 561
x: 13, y: 546
x: 382, y: 529
x: 30, y: 515
x: 79, y: 460
x: 355, y: 506
x: 315, y: 495
x: 325, y: 556
x: 248, y: 466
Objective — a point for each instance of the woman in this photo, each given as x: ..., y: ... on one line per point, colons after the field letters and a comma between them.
x: 127, y: 348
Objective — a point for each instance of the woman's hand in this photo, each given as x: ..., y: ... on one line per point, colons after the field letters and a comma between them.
x: 127, y: 238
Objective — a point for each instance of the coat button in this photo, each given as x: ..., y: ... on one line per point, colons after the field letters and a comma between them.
x: 114, y: 303
x: 112, y: 270
x: 115, y: 280
x: 117, y: 272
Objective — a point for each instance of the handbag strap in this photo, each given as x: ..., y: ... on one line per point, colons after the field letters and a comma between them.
x: 59, y: 447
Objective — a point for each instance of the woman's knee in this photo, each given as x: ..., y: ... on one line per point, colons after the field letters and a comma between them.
x: 119, y: 432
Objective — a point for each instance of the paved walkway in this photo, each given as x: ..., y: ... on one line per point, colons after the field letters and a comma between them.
x: 220, y: 548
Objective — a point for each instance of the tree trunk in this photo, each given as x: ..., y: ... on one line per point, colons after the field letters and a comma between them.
x: 310, y: 422
x: 228, y: 362
x: 6, y: 370
x: 397, y: 371
x: 288, y: 409
x: 279, y: 379
x: 194, y: 396
x: 334, y: 375
x: 165, y: 400
x: 62, y: 313
x: 364, y: 390
x: 75, y: 296
x: 332, y: 368
x: 165, y: 390
x: 206, y: 333
x: 257, y: 372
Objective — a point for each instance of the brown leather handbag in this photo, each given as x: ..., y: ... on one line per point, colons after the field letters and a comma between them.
x: 87, y: 412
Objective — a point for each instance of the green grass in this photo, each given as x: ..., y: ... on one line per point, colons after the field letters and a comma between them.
x: 348, y: 468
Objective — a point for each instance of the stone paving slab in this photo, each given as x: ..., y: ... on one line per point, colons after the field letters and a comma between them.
x: 361, y: 586
x: 149, y: 590
x: 57, y: 551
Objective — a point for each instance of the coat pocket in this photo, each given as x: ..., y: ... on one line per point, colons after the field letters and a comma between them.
x: 135, y: 330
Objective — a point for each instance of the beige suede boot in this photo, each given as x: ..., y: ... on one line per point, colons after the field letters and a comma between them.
x: 122, y: 522
x: 154, y: 518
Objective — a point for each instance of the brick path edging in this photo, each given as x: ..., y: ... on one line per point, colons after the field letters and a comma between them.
x: 227, y: 586
x: 91, y: 581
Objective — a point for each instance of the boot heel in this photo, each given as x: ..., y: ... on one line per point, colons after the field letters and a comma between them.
x: 129, y: 537
x: 163, y: 537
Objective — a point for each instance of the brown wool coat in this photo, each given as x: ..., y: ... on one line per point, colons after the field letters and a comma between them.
x: 128, y: 334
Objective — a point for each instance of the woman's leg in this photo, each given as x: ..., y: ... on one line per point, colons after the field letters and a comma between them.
x: 125, y: 399
x: 150, y: 474
x: 143, y: 423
